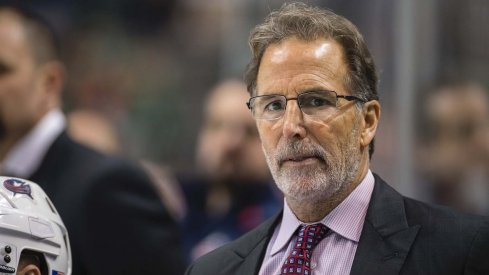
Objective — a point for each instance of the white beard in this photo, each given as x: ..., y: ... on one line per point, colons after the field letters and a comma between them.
x: 315, y: 182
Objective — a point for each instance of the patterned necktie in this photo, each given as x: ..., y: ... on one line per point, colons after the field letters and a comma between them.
x: 299, y: 260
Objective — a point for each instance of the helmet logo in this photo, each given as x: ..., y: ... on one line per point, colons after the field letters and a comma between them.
x: 6, y: 269
x: 18, y: 187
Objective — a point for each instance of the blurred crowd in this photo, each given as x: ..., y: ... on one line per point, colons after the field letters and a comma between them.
x: 158, y: 82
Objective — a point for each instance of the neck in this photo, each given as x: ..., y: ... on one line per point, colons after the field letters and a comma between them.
x: 309, y: 211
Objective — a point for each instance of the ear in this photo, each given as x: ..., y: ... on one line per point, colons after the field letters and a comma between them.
x: 371, y: 116
x: 52, y: 81
x: 29, y: 269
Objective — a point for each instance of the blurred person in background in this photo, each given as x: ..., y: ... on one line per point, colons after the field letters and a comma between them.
x: 233, y: 191
x: 454, y: 149
x: 313, y: 87
x: 108, y: 204
x: 33, y: 238
x: 104, y: 137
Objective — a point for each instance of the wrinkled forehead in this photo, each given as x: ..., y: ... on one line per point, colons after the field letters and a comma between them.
x: 313, y: 63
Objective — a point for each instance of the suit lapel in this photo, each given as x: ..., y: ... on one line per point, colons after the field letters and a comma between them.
x: 251, y: 264
x: 250, y: 249
x: 386, y: 236
x: 56, y: 158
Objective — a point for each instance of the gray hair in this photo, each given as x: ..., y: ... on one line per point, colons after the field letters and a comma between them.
x: 310, y: 23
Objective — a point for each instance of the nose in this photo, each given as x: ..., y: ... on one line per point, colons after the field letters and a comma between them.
x: 293, y: 121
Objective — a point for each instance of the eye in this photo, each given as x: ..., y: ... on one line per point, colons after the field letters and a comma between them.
x: 316, y: 101
x: 276, y: 105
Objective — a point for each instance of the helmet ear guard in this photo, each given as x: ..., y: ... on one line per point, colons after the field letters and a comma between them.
x: 30, y: 223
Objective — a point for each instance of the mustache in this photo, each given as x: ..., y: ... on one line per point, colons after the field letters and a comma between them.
x: 294, y: 150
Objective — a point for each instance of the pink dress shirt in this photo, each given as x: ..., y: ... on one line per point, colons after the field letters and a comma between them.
x: 335, y: 253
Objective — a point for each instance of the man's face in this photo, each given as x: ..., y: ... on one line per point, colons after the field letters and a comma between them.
x: 310, y: 158
x: 229, y: 147
x: 19, y: 81
x: 458, y: 120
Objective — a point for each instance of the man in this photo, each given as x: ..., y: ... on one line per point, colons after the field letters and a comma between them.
x: 34, y: 240
x: 233, y: 191
x: 454, y: 150
x: 116, y: 221
x: 228, y: 145
x: 314, y: 99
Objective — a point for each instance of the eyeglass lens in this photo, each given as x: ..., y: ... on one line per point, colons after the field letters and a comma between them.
x: 311, y: 103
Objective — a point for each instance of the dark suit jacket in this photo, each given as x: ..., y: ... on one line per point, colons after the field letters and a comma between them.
x: 400, y: 236
x: 115, y: 220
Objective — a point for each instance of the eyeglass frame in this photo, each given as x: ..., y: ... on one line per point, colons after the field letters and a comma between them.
x: 347, y: 97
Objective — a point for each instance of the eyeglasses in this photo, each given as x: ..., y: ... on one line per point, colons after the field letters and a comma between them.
x: 313, y: 103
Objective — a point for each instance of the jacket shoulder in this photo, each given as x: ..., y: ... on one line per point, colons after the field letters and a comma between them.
x: 442, y: 219
x: 448, y: 241
x: 435, y: 218
x: 445, y: 241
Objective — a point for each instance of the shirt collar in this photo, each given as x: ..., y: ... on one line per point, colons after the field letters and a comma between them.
x: 26, y: 155
x: 345, y: 220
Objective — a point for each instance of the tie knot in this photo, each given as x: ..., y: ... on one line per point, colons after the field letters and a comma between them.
x: 310, y: 235
x: 299, y: 260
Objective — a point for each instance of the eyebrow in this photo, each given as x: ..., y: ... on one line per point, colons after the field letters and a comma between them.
x: 312, y: 89
x: 315, y: 89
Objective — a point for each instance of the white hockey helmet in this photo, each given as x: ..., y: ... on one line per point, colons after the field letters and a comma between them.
x: 29, y: 221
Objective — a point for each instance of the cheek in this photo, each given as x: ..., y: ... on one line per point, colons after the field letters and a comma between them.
x: 256, y: 152
x: 324, y: 135
x: 19, y: 99
x: 15, y: 92
x: 329, y: 135
x: 269, y: 135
